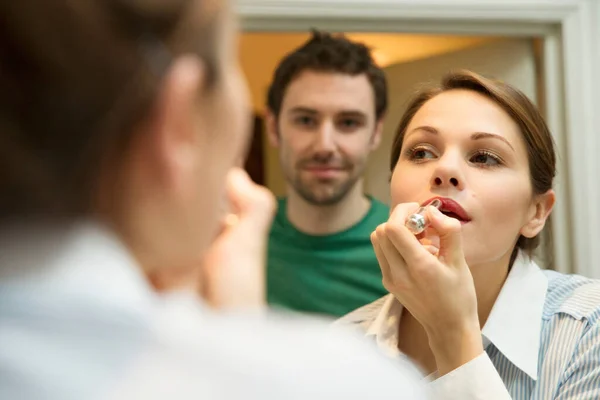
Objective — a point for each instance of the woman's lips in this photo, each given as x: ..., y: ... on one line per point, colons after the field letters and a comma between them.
x: 451, y: 208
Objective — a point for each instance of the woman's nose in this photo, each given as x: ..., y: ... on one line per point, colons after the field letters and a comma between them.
x: 439, y: 181
x: 448, y: 173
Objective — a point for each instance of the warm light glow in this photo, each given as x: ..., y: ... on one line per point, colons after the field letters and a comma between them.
x: 260, y: 52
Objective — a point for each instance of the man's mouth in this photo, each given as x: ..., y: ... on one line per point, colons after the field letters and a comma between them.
x: 322, y: 168
x: 324, y: 172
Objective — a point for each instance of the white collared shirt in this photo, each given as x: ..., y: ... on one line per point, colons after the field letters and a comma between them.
x: 79, y: 321
x: 542, y: 339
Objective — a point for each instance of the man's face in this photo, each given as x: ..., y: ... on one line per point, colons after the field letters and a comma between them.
x: 325, y: 131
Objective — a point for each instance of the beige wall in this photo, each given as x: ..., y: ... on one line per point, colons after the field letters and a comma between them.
x: 260, y: 52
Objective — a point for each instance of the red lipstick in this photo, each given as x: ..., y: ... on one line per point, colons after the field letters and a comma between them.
x: 451, y: 208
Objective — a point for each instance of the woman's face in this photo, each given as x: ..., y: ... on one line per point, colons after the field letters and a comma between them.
x: 463, y: 146
x: 202, y: 131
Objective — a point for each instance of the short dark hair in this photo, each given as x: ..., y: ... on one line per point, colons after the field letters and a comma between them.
x: 75, y: 79
x: 324, y: 52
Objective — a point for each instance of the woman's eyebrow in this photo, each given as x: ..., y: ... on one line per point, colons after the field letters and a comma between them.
x: 487, y: 135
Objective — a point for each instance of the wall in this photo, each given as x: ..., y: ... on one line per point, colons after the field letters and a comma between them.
x: 260, y: 52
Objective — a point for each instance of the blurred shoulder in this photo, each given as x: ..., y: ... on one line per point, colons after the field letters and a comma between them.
x: 270, y: 356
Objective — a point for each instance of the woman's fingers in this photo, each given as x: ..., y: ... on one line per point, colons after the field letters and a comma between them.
x: 383, y: 263
x: 254, y: 204
x: 234, y: 265
x: 406, y: 243
x: 431, y: 249
x: 450, y: 233
x: 398, y: 275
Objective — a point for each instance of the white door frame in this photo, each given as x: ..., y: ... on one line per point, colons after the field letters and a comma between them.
x: 571, y: 33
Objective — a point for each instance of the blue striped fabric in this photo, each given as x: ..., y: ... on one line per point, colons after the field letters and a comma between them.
x: 568, y: 359
x: 569, y: 356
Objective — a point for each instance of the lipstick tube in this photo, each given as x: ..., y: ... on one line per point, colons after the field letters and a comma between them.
x: 418, y: 222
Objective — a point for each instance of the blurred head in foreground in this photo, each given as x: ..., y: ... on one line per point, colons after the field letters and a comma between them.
x: 129, y: 112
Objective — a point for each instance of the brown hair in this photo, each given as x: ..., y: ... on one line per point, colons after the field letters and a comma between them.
x: 76, y: 76
x: 326, y: 53
x: 535, y: 132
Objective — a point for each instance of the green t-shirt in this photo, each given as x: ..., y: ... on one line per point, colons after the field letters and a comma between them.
x: 329, y: 274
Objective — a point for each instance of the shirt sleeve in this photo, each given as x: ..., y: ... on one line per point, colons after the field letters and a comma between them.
x: 582, y: 377
x: 477, y: 379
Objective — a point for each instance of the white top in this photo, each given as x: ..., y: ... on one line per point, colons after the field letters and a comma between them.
x: 79, y: 321
x: 542, y: 339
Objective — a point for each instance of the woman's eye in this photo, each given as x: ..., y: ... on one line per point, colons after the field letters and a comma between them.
x: 420, y: 153
x: 485, y: 159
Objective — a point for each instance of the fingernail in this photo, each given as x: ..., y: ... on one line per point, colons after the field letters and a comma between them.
x: 231, y: 220
x: 435, y: 203
x: 435, y: 212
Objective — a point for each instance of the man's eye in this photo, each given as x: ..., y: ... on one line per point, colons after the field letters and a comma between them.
x: 349, y: 123
x: 305, y: 120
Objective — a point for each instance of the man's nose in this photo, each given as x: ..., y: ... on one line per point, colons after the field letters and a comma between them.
x: 325, y: 140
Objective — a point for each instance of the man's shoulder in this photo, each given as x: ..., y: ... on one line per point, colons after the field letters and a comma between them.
x: 280, y: 222
x: 378, y: 203
x: 280, y: 212
x: 378, y: 213
x: 379, y: 207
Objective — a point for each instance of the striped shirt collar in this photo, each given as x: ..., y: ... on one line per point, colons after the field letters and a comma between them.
x: 513, y: 327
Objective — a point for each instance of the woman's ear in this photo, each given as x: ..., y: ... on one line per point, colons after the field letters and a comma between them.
x: 174, y: 135
x: 540, y: 211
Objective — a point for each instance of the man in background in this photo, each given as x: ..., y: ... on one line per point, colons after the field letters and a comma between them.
x: 325, y: 114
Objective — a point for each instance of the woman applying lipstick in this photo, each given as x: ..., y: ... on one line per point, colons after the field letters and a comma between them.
x: 467, y: 304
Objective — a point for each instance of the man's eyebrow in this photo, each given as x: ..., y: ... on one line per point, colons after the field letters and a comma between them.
x: 303, y: 110
x: 353, y: 113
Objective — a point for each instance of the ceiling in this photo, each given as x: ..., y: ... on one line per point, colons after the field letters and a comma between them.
x: 260, y: 52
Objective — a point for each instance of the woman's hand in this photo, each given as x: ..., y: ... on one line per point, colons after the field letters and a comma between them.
x: 431, y: 279
x: 233, y: 273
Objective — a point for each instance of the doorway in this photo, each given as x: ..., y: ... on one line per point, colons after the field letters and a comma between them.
x: 569, y: 32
